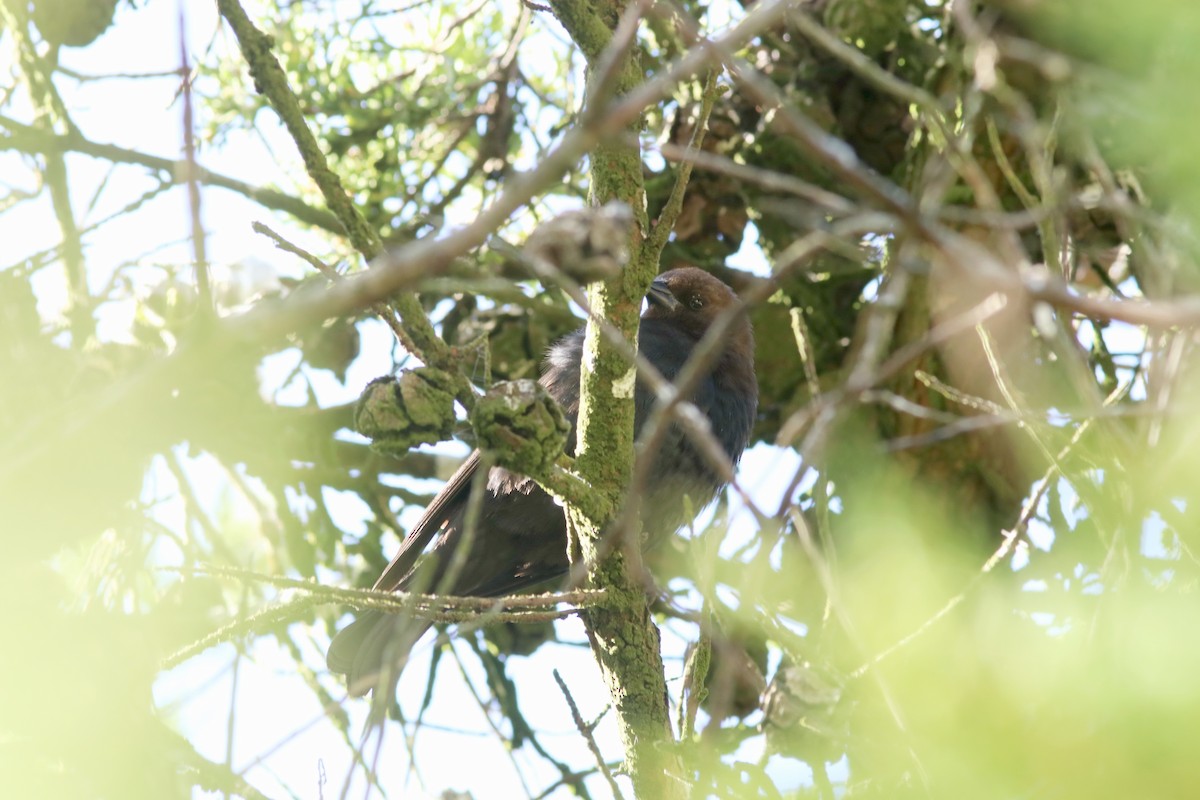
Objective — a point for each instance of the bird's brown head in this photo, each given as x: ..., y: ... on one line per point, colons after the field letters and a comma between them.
x: 692, y: 298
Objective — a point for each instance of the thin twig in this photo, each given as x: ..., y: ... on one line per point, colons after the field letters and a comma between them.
x: 199, y: 250
x: 665, y: 224
x: 483, y: 710
x: 382, y: 310
x: 27, y: 139
x: 1010, y: 539
x: 832, y: 592
x: 586, y: 732
x: 385, y: 601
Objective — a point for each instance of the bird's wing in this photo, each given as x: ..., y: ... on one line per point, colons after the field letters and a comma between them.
x: 454, y: 493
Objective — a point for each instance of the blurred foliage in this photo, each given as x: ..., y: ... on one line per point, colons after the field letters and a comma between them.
x: 982, y: 585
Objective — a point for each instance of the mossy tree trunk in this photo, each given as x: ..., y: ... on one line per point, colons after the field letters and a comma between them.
x: 624, y: 636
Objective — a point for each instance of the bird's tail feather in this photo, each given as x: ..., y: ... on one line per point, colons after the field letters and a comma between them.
x: 372, y: 650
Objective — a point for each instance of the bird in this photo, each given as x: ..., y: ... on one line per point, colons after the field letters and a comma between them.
x: 520, y: 540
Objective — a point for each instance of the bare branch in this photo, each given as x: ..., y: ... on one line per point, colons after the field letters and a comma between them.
x: 25, y: 139
x: 586, y: 732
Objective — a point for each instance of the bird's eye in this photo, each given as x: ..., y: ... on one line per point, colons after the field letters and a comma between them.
x: 695, y: 302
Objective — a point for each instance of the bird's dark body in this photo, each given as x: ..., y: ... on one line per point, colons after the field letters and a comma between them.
x: 521, y: 538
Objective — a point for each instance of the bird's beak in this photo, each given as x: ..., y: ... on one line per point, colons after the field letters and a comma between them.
x: 660, y: 295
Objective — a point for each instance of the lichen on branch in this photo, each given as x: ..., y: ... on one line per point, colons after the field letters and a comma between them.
x: 398, y: 413
x: 519, y: 422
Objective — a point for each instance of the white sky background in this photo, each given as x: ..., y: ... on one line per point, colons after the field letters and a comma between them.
x: 277, y: 725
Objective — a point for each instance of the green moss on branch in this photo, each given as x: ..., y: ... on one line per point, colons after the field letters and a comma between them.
x: 624, y: 636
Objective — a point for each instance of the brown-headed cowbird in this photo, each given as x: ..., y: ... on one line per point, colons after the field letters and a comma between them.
x: 521, y: 538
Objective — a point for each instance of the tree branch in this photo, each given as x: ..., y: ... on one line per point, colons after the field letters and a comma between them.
x: 26, y: 139
x: 271, y: 80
